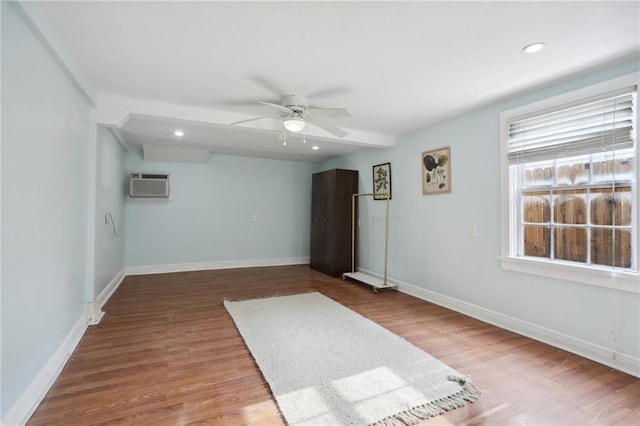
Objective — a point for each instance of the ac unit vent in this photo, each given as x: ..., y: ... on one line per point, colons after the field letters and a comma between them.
x: 148, y: 185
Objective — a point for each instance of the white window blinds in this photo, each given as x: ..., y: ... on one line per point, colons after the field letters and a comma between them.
x: 603, y: 124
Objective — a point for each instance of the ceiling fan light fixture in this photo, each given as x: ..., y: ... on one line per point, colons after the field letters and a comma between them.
x: 294, y: 124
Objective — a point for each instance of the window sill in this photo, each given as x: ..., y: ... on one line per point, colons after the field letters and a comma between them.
x: 601, y: 277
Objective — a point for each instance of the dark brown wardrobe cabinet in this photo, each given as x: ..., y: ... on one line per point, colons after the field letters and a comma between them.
x: 331, y: 196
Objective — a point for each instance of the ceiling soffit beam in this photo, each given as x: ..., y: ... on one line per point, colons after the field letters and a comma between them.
x: 114, y: 111
x: 39, y: 24
x: 174, y: 154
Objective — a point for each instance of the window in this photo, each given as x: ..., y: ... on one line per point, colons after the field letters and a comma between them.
x: 569, y: 186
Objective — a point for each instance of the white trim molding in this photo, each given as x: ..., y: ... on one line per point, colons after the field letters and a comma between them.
x: 222, y: 264
x: 623, y: 362
x: 108, y: 291
x: 600, y: 277
x: 33, y: 395
x: 94, y: 312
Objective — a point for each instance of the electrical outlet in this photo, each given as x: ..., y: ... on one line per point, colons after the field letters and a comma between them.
x: 473, y: 231
x: 255, y: 218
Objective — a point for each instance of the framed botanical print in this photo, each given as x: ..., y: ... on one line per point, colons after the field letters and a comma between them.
x: 382, y: 181
x: 436, y: 171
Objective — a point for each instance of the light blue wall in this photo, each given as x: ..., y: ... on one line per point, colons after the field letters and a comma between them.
x: 110, y: 193
x: 46, y: 126
x: 209, y: 218
x: 50, y: 249
x: 430, y: 247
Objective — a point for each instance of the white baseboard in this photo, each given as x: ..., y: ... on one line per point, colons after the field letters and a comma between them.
x: 609, y: 357
x: 31, y: 398
x: 223, y: 264
x: 108, y: 291
x: 94, y: 312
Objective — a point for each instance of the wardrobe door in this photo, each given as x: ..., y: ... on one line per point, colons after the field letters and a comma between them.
x: 319, y: 194
x: 346, y: 184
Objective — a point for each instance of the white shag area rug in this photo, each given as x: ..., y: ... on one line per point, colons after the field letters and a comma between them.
x: 327, y: 365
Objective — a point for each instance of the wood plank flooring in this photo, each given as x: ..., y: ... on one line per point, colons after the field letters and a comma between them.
x: 167, y: 353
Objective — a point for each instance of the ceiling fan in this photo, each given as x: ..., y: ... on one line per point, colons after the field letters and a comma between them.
x: 296, y: 113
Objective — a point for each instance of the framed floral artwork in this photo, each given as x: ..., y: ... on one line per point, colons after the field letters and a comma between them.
x: 382, y: 181
x: 436, y: 171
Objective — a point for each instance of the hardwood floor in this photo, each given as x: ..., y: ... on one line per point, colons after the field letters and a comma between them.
x: 167, y: 353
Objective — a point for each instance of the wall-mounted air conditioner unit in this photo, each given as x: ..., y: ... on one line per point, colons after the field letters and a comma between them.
x: 148, y: 185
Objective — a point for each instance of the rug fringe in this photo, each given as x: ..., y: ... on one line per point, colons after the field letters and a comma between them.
x: 415, y: 415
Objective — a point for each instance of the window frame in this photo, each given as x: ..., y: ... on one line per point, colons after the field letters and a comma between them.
x: 602, y: 276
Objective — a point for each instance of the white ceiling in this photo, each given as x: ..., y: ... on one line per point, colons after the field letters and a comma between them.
x: 395, y: 66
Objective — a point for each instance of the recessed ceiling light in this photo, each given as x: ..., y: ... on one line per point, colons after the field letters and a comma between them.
x: 315, y: 147
x: 534, y: 47
x: 179, y: 133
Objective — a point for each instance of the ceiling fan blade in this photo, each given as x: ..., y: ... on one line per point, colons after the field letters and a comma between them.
x: 238, y: 103
x: 280, y: 107
x: 331, y: 91
x: 334, y: 130
x: 329, y: 112
x: 269, y: 85
x: 254, y: 119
